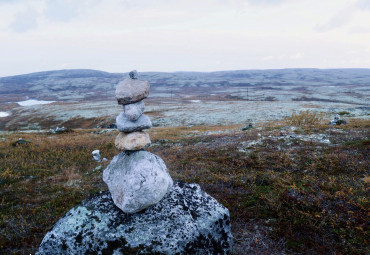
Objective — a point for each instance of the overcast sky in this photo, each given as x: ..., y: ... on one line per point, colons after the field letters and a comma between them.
x: 182, y: 35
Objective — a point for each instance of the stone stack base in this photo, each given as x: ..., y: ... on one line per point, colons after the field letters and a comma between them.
x: 185, y: 221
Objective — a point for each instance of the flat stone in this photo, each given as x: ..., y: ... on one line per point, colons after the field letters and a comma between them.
x: 137, y: 180
x: 186, y: 221
x: 127, y: 126
x: 130, y: 91
x: 134, y: 111
x: 132, y: 141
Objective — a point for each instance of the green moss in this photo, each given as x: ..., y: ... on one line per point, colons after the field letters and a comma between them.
x: 358, y: 143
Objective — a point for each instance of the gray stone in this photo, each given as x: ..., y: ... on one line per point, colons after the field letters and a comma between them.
x: 20, y: 142
x: 127, y: 126
x: 247, y: 127
x: 96, y: 155
x: 185, y: 221
x: 340, y: 122
x: 133, y: 74
x: 134, y: 111
x: 337, y: 121
x: 60, y: 130
x: 131, y: 91
x: 132, y: 141
x: 137, y: 180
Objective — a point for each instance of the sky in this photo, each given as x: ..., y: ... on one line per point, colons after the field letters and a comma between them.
x: 182, y: 35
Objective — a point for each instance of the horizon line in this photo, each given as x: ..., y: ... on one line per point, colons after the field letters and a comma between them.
x: 217, y: 71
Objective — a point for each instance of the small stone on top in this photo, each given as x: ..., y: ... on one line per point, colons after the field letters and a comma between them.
x: 133, y: 74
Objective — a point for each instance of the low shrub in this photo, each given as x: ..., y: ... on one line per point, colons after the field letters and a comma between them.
x: 343, y: 113
x: 305, y: 118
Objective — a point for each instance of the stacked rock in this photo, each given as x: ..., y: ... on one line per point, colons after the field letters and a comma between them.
x: 181, y: 218
x: 130, y: 93
x: 136, y: 178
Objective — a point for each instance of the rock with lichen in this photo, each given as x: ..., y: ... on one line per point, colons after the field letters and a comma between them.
x: 186, y: 221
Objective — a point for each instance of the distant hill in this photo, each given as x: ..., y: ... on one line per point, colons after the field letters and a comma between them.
x: 85, y: 98
x: 84, y: 84
x: 60, y: 85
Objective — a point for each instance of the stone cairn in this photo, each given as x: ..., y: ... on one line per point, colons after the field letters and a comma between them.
x: 136, y: 178
x: 159, y: 216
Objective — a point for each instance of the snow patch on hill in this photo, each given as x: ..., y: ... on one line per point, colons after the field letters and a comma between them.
x: 30, y: 102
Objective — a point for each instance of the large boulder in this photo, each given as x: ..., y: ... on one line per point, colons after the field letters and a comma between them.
x: 186, y: 221
x: 131, y: 91
x: 137, y: 180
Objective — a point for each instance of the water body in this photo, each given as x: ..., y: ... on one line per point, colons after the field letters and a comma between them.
x: 30, y: 102
x: 4, y: 114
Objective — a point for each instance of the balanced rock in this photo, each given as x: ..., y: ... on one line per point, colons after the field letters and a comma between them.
x: 133, y: 74
x: 137, y: 180
x: 125, y: 125
x: 132, y: 141
x: 134, y: 111
x: 131, y: 91
x: 185, y: 221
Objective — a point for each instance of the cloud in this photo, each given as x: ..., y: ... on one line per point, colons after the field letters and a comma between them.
x: 345, y: 16
x: 30, y: 15
x: 296, y: 56
x: 340, y: 19
x: 61, y: 10
x: 360, y: 30
x: 363, y: 4
x: 268, y: 58
x: 9, y: 1
x: 167, y: 35
x: 24, y: 21
x: 259, y: 2
x: 66, y: 10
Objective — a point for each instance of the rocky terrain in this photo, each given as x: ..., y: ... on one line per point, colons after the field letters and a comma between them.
x: 83, y: 98
x: 290, y: 189
x: 293, y: 185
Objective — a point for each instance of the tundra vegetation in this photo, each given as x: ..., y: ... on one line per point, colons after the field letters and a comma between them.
x: 85, y: 98
x: 306, y: 194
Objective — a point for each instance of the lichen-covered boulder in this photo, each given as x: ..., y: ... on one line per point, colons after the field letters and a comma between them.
x: 186, y: 221
x: 130, y: 91
x: 127, y: 126
x: 137, y: 180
